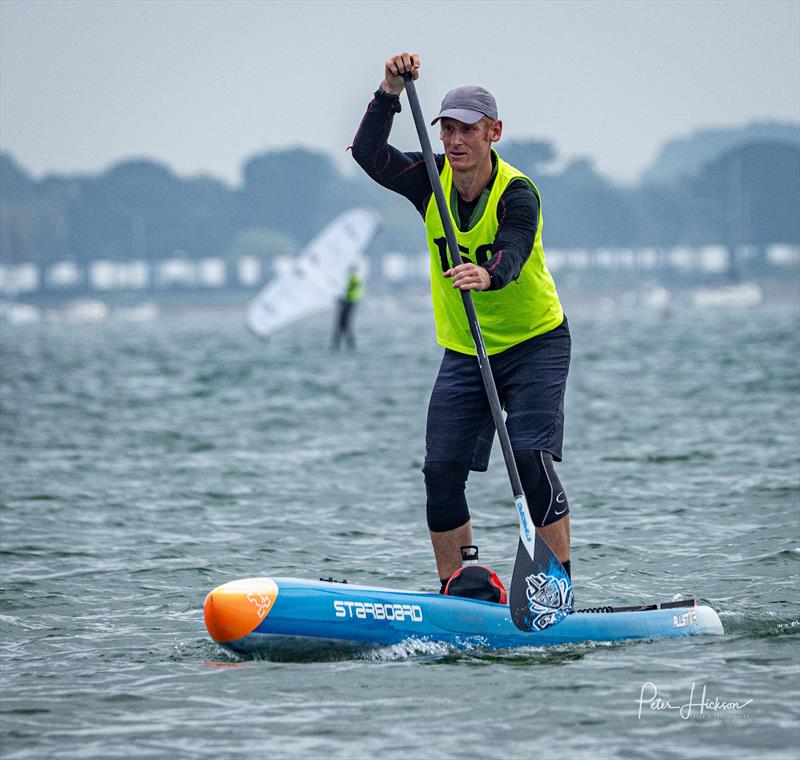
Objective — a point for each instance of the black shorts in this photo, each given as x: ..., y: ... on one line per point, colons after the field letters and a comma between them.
x: 531, y: 379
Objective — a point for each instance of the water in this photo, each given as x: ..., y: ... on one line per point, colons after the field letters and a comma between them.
x: 144, y: 465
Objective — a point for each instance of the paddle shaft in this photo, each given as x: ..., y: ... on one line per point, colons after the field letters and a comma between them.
x: 469, y: 306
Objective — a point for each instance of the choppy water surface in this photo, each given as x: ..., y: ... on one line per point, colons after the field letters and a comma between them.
x: 144, y: 465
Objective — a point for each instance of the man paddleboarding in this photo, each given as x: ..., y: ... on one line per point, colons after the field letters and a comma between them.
x: 498, y: 222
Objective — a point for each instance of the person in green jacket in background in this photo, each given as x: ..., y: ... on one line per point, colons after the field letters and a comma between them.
x: 344, y: 318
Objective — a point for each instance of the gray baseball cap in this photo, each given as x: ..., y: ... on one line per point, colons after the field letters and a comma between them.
x: 468, y: 104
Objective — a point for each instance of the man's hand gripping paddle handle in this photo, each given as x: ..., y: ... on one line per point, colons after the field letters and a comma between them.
x: 541, y: 591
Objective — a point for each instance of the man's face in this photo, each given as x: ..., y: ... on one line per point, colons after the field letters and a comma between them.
x: 467, y: 145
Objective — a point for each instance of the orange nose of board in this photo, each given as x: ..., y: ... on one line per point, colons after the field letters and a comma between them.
x: 235, y: 609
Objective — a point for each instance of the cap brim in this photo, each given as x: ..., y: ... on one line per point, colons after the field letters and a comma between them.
x: 460, y: 114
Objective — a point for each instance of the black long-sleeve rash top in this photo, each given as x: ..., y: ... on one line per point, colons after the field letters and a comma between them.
x: 405, y: 173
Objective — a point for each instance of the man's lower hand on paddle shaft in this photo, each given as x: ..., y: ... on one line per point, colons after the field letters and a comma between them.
x: 468, y: 276
x: 393, y: 72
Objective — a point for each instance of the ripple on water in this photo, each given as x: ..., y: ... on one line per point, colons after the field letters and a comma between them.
x: 141, y: 468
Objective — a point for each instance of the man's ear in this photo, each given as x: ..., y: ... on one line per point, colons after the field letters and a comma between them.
x: 496, y: 130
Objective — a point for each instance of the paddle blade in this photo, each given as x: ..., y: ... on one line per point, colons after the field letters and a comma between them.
x: 541, y: 590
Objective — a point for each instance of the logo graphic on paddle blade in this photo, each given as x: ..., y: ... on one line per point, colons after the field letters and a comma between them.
x: 549, y: 599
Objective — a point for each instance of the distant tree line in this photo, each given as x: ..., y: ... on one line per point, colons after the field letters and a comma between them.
x: 139, y: 209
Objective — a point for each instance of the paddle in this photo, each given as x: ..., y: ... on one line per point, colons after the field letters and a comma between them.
x: 541, y: 591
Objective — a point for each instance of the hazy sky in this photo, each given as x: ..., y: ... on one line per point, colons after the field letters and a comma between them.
x: 202, y: 86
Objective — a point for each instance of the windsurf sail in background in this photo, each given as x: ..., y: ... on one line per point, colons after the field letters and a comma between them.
x: 317, y: 278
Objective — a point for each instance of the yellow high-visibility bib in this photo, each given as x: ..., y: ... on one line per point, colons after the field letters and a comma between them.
x: 524, y: 308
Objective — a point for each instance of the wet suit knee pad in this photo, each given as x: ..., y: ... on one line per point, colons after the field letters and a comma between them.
x: 446, y: 504
x: 546, y: 498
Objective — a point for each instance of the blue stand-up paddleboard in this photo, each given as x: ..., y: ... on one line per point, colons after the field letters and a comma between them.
x: 282, y: 614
